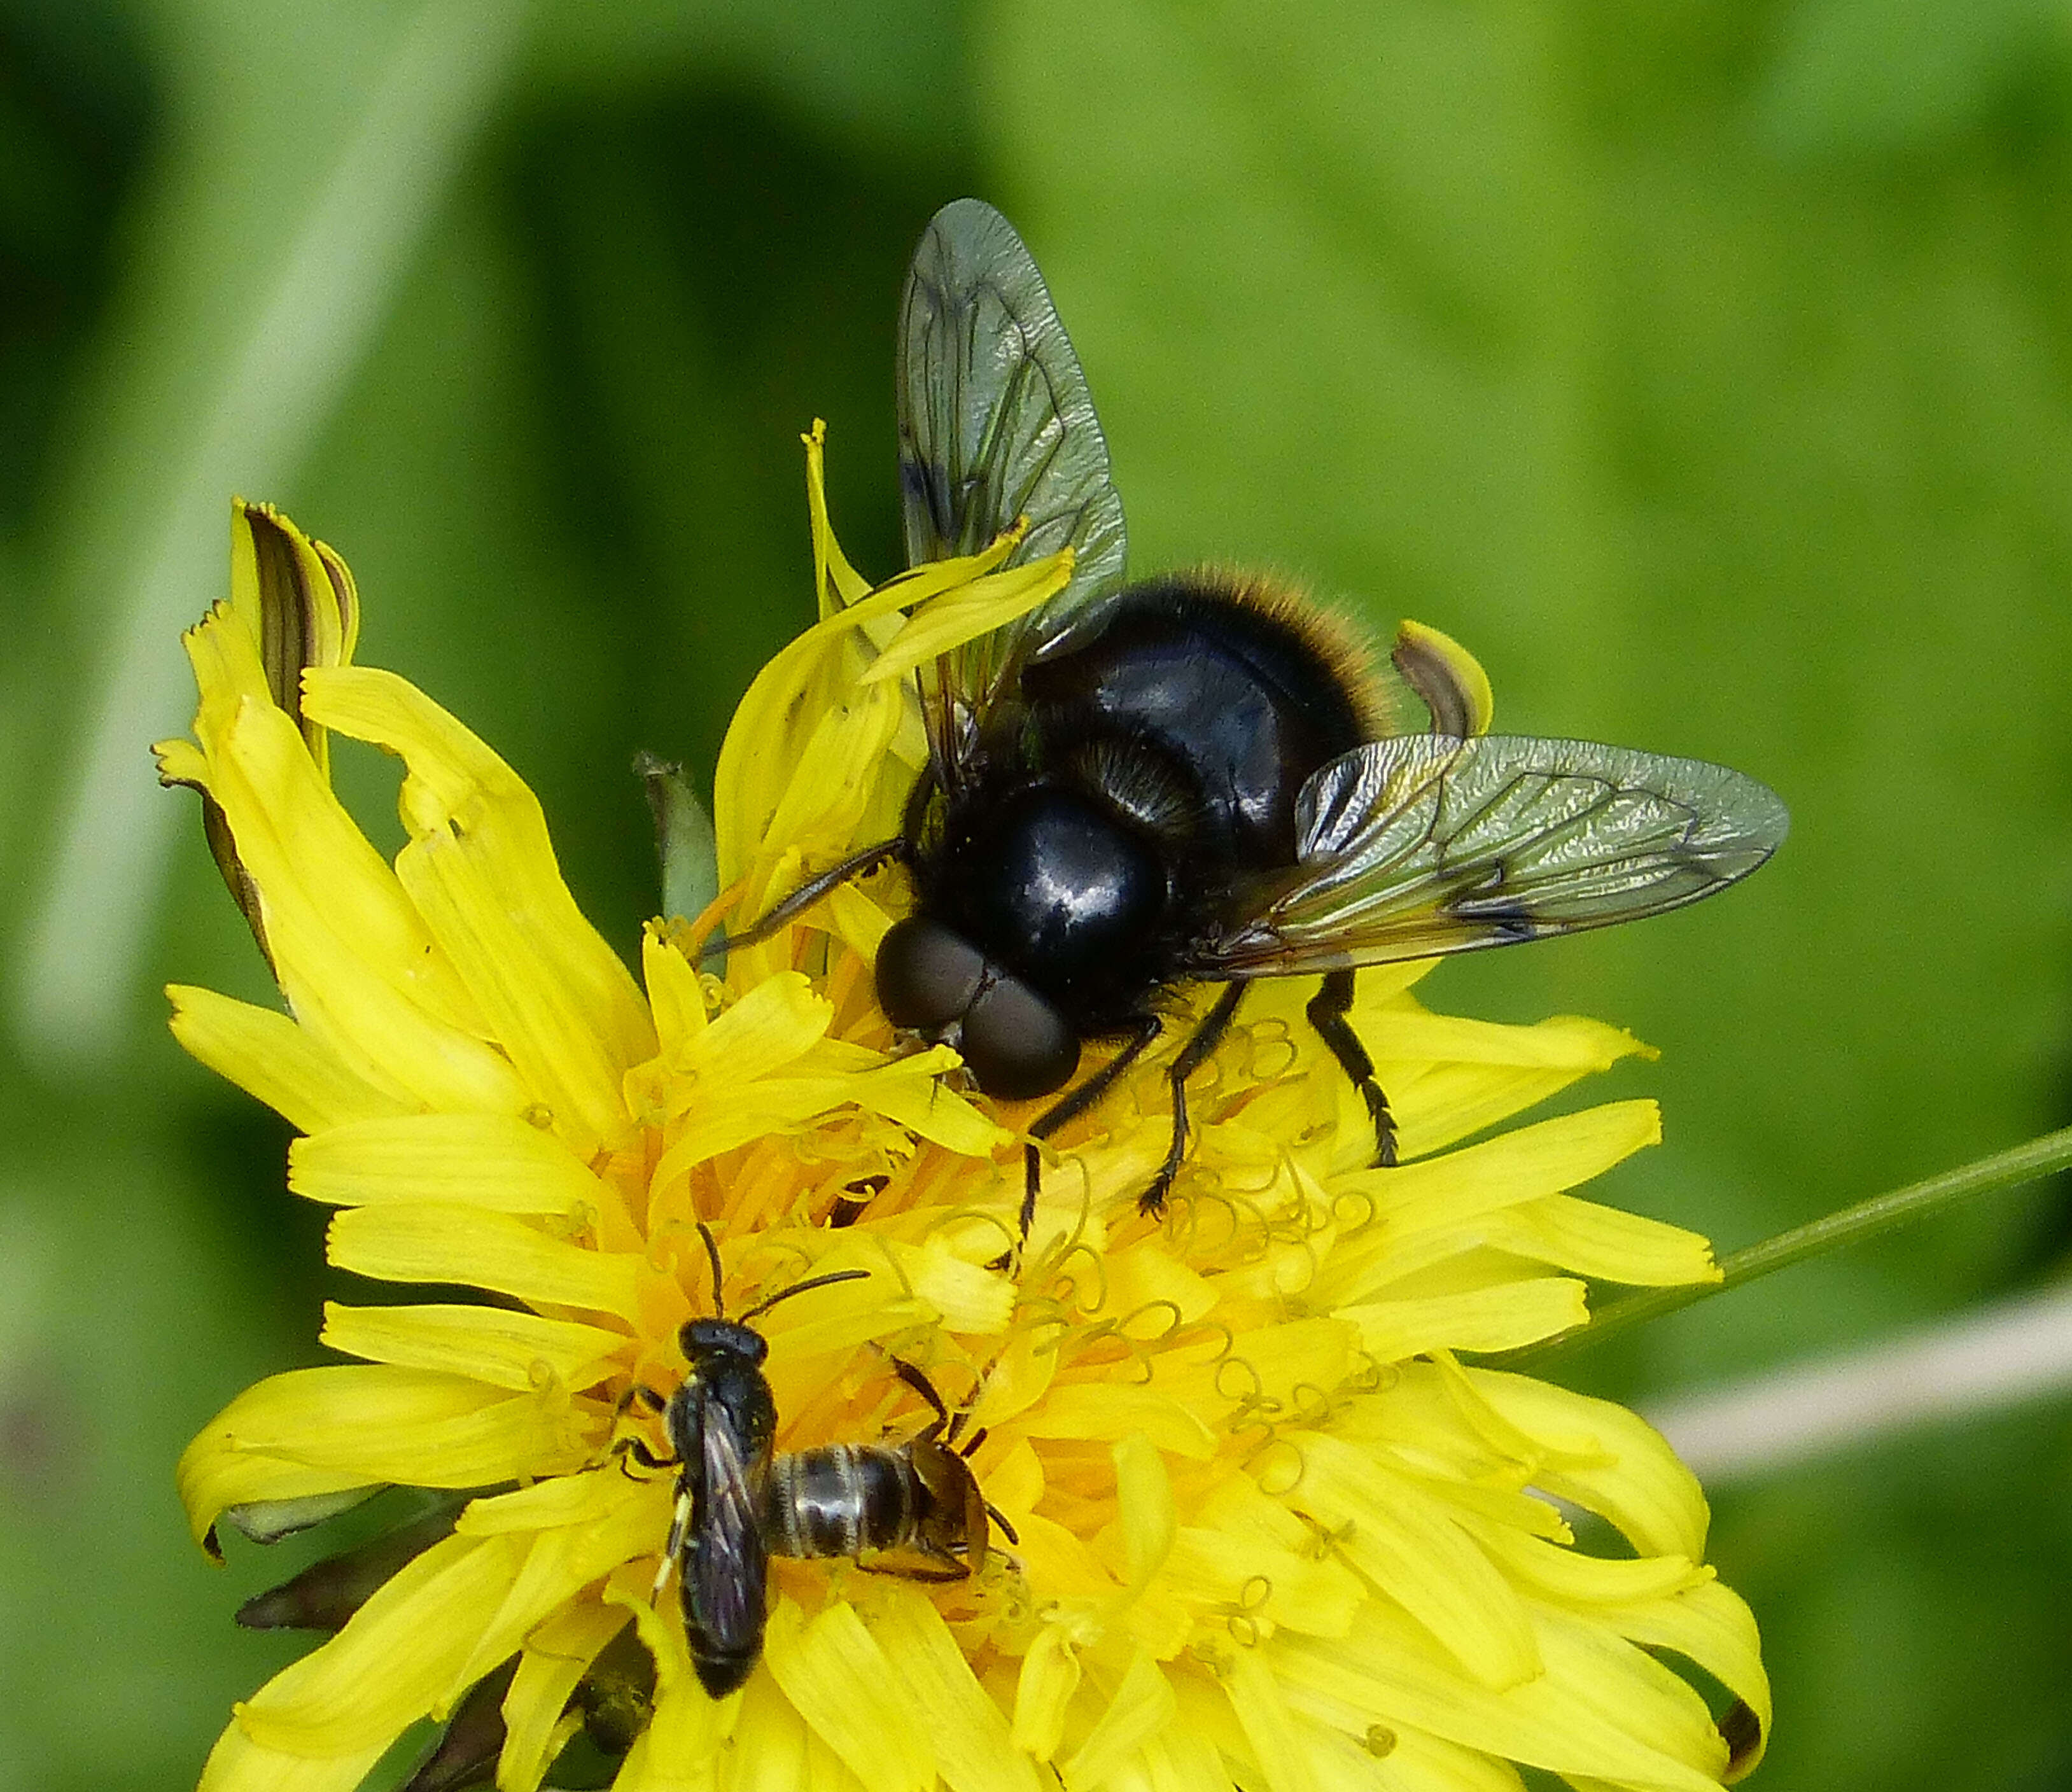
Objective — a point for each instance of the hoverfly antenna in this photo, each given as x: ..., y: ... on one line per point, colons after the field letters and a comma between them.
x: 805, y: 1287
x: 712, y: 1251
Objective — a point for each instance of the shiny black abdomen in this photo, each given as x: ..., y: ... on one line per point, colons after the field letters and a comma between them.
x: 1125, y: 785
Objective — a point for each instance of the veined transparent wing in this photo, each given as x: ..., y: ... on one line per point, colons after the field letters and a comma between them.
x: 728, y: 1565
x: 996, y: 423
x: 1426, y: 844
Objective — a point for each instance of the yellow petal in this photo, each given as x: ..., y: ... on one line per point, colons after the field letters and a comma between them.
x: 836, y: 771
x: 676, y: 994
x: 1519, y: 1166
x: 1400, y: 1028
x: 1272, y: 1584
x: 372, y: 1423
x: 237, y: 1764
x: 1144, y: 1509
x: 1602, y: 1243
x: 1389, y: 1674
x: 1141, y: 1705
x: 248, y: 1452
x: 973, y: 1751
x: 493, y: 1160
x: 393, y: 1659
x: 839, y: 584
x: 679, y: 1751
x: 1408, y: 1545
x: 1499, y: 1318
x: 1184, y: 1757
x: 834, y: 1674
x: 1610, y: 1461
x: 563, y: 1559
x: 557, y: 1656
x: 1449, y: 678
x: 1048, y: 1677
x: 1103, y: 1412
x: 295, y: 598
x: 981, y: 607
x: 429, y: 1241
x: 778, y: 1020
x: 1585, y: 1583
x: 482, y: 871
x: 319, y: 876
x: 770, y: 1751
x: 266, y: 1055
x: 517, y: 1351
x: 1712, y: 1625
x: 1279, y: 1743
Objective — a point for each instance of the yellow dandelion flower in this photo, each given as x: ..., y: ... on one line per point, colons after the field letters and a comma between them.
x: 1254, y: 1521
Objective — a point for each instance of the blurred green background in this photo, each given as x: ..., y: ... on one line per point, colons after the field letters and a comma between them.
x: 1706, y: 369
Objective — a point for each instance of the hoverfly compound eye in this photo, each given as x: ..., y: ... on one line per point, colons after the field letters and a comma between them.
x: 1016, y: 1043
x: 926, y: 975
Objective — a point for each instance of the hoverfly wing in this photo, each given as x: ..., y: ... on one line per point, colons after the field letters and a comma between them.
x: 996, y: 423
x: 1427, y: 844
x: 727, y: 1566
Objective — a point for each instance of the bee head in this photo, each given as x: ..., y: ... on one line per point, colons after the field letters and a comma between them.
x: 703, y: 1340
x: 935, y: 982
x: 953, y: 1511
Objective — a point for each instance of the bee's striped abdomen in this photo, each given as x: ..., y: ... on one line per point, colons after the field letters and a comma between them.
x: 840, y: 1499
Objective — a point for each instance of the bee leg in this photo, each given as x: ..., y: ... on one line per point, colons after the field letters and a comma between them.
x: 1327, y: 1011
x: 622, y: 1447
x: 640, y: 1453
x: 857, y: 864
x: 919, y: 1382
x: 678, y: 1525
x: 1201, y: 1042
x: 1075, y: 1103
x: 951, y: 1568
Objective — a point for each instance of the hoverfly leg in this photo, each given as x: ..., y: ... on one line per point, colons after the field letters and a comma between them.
x: 1327, y: 1011
x: 1201, y: 1042
x: 1075, y: 1103
x: 857, y: 864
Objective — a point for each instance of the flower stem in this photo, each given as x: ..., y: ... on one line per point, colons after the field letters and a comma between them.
x: 1867, y: 1219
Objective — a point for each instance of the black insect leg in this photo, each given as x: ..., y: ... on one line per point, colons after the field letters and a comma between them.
x: 908, y: 1571
x: 1075, y: 1103
x: 1327, y: 1011
x: 916, y: 1379
x: 857, y: 864
x: 639, y: 1393
x: 1194, y: 1054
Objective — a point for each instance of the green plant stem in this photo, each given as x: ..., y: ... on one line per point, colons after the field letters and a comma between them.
x: 1867, y: 1219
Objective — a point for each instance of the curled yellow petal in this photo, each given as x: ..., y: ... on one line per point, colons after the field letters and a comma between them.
x: 836, y: 1676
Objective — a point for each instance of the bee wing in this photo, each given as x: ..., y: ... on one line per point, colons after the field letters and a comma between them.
x: 996, y: 423
x: 728, y: 1564
x: 1427, y: 844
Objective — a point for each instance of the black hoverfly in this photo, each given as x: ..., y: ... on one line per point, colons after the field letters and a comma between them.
x: 738, y: 1503
x: 1135, y: 787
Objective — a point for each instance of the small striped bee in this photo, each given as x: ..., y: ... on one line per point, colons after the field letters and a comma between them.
x: 738, y: 1503
x: 918, y: 1499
